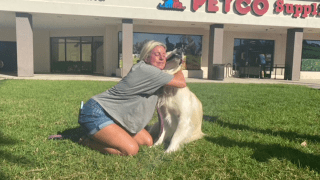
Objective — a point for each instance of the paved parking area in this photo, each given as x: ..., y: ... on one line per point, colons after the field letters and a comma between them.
x: 313, y: 83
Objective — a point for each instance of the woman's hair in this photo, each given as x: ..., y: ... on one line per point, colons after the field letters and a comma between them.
x: 148, y: 47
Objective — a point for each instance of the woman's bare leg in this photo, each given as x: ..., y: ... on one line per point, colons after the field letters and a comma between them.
x: 115, y: 140
x: 85, y: 141
x: 143, y: 138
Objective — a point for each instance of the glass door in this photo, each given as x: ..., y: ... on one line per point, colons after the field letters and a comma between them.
x: 86, y: 55
x: 80, y: 55
x: 8, y: 56
x: 253, y: 57
x: 73, y: 61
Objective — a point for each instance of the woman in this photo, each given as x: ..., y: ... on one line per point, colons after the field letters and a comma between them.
x: 115, y: 119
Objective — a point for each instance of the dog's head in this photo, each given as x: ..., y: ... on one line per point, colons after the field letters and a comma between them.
x: 174, y: 61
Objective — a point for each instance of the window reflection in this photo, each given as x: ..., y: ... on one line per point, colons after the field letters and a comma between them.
x: 58, y: 49
x: 191, y: 45
x: 310, y: 55
x: 248, y: 52
x: 77, y: 54
x: 73, y: 49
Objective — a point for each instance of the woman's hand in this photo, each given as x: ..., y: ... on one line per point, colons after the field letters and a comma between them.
x: 178, y: 80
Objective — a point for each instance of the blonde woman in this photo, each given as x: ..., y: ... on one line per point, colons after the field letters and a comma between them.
x: 115, y: 119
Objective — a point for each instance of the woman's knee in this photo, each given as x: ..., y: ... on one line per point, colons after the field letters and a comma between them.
x: 149, y: 141
x: 130, y: 149
x: 143, y: 138
x: 115, y: 137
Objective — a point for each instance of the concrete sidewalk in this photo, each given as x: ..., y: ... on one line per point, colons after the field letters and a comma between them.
x: 313, y: 83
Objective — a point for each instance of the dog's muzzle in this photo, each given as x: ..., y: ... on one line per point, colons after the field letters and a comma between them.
x: 175, y: 54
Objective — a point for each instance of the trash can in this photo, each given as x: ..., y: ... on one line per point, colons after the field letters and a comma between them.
x: 218, y: 72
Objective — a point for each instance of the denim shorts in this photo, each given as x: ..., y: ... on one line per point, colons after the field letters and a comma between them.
x: 93, y: 117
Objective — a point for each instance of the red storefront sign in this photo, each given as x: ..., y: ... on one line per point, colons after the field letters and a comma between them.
x: 297, y: 9
x: 258, y: 7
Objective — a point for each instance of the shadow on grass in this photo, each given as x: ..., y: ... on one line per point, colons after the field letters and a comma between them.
x: 292, y: 136
x: 74, y: 134
x: 263, y: 153
x: 7, y: 156
x: 2, y: 82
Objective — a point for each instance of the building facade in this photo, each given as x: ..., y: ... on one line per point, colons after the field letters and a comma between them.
x: 104, y: 37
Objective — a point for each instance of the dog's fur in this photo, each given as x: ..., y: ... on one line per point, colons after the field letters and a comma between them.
x: 181, y: 111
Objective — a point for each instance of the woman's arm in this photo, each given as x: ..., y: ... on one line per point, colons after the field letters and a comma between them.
x: 178, y: 80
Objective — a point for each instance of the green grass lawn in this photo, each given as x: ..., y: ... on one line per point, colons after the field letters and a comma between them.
x: 253, y: 132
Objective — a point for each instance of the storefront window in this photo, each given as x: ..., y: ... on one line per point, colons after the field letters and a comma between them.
x: 86, y: 49
x: 76, y: 54
x: 253, y: 57
x: 58, y: 49
x: 248, y: 52
x: 310, y: 60
x: 73, y: 49
x: 191, y: 45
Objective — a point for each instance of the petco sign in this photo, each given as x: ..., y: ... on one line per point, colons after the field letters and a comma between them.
x: 243, y: 7
x: 259, y: 7
x: 297, y: 9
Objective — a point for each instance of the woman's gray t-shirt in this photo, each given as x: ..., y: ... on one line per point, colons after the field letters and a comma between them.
x: 132, y: 101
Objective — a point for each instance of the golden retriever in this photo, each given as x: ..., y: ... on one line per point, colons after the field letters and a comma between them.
x: 180, y: 110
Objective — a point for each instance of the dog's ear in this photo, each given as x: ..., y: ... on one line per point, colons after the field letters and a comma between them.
x: 176, y: 53
x: 171, y: 54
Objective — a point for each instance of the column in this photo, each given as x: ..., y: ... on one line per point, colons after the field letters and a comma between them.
x: 110, y: 46
x: 293, y: 54
x: 24, y: 36
x: 127, y: 46
x: 215, y: 47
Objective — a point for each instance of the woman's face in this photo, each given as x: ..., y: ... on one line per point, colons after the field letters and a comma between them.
x: 158, y: 57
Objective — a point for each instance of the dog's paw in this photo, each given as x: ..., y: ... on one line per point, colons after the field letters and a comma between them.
x: 170, y: 150
x: 156, y: 144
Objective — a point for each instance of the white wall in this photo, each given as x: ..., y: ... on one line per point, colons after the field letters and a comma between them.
x: 147, y: 10
x: 77, y: 32
x: 7, y: 34
x: 309, y: 75
x: 41, y: 48
x: 111, y: 51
